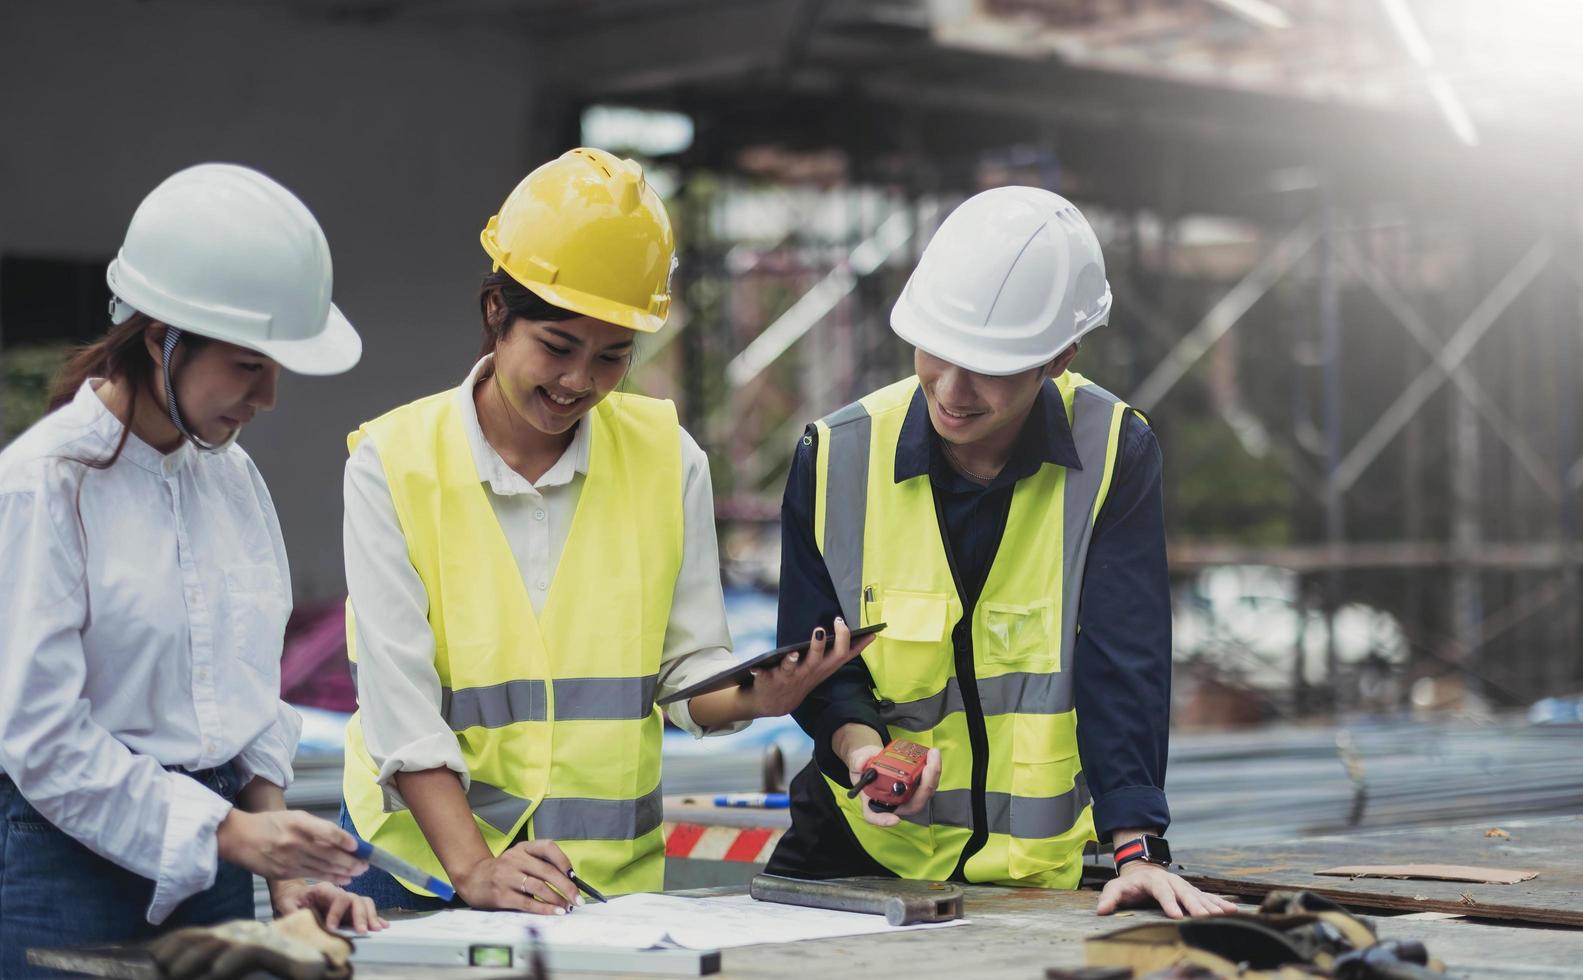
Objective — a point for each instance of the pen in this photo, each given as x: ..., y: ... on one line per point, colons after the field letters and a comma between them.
x: 588, y: 889
x: 558, y: 892
x: 773, y: 801
x: 386, y: 861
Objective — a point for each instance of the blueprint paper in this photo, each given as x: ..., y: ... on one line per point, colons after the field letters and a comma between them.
x: 648, y: 921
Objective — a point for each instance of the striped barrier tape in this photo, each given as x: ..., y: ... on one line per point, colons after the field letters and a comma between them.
x: 710, y: 843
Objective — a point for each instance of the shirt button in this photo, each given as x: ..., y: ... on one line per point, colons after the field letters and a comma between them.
x: 538, y: 515
x: 203, y: 674
x: 208, y: 747
x: 542, y: 585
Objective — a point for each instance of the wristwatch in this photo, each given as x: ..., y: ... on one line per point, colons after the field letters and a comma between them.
x: 1148, y: 848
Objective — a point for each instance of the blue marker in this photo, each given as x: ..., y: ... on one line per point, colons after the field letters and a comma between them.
x: 769, y: 801
x: 386, y: 861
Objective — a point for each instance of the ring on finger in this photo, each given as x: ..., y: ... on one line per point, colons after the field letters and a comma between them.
x: 527, y: 889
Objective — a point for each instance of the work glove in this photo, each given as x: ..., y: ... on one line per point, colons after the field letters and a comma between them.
x: 295, y: 947
x: 1394, y: 959
x: 1296, y: 935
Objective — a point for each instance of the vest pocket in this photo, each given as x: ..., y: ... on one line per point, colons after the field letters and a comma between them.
x: 1020, y: 636
x: 911, y: 657
x: 917, y: 617
x: 1046, y: 800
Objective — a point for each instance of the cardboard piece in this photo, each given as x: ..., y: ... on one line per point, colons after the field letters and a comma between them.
x: 1433, y: 872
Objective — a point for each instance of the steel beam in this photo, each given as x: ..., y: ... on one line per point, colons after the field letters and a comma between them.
x: 1454, y: 352
x: 1467, y: 383
x: 817, y: 302
x: 1330, y: 367
x: 1224, y: 315
x: 1504, y: 556
x: 1249, y: 429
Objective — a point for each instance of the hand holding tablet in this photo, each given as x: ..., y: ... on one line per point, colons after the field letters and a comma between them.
x: 741, y: 675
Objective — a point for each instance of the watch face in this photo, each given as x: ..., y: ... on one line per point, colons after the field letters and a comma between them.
x: 1156, y: 850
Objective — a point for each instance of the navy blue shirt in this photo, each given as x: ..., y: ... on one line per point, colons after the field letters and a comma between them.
x: 1122, y: 659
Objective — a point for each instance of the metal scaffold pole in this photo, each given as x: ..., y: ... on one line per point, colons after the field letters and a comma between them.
x: 1466, y: 612
x: 1330, y: 357
x: 1566, y: 322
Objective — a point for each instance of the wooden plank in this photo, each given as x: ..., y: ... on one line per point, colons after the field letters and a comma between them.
x: 116, y: 962
x: 1554, y: 846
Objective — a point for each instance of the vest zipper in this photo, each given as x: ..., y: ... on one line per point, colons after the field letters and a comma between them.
x: 967, y: 681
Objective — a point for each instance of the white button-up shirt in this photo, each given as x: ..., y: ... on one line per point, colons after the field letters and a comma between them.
x: 141, y: 622
x: 398, y: 690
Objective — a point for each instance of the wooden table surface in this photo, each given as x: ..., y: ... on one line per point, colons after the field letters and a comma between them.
x: 1020, y: 932
x: 1016, y: 932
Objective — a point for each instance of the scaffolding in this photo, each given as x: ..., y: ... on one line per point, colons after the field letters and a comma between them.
x: 1312, y: 281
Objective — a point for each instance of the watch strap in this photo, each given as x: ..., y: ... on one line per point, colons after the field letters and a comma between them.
x: 1148, y: 848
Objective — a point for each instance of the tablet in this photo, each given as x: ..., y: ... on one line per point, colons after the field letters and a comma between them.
x: 741, y: 674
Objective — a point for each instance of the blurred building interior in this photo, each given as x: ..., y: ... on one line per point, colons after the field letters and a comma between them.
x: 1343, y: 237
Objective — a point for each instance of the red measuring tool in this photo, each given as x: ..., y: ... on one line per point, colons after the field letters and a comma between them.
x: 889, y: 778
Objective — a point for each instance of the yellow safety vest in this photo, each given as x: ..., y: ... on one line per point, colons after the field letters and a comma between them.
x: 888, y: 562
x: 555, y: 714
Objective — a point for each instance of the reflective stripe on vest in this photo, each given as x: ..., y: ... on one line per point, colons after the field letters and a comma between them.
x: 563, y: 818
x: 495, y: 806
x: 553, y: 712
x: 881, y: 545
x: 840, y: 509
x: 576, y: 699
x: 1036, y: 694
x: 1017, y: 816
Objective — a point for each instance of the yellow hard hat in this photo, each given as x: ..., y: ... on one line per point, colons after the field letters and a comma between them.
x: 587, y: 233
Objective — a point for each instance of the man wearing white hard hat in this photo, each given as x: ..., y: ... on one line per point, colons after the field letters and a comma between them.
x: 1001, y: 515
x: 144, y: 748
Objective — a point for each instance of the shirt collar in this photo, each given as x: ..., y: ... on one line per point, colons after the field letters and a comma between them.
x: 92, y: 413
x: 492, y: 469
x: 1046, y: 437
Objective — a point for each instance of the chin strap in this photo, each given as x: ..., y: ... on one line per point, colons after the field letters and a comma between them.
x: 172, y: 338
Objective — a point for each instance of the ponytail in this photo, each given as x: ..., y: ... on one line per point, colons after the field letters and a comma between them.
x: 120, y: 356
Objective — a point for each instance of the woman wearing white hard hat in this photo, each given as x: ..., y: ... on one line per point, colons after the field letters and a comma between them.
x: 531, y: 560
x: 1002, y: 515
x: 143, y: 746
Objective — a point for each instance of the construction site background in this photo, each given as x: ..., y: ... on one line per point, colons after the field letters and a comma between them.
x: 1343, y: 237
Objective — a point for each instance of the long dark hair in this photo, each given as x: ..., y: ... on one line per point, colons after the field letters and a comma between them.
x: 118, y: 356
x: 520, y: 301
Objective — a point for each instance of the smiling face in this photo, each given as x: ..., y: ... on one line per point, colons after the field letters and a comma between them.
x: 967, y: 408
x: 552, y: 372
x: 219, y: 386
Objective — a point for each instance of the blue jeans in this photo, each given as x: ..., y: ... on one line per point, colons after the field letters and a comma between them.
x: 56, y: 892
x: 384, y: 889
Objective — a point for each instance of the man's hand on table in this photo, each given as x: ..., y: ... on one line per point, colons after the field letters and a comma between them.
x: 1138, y: 883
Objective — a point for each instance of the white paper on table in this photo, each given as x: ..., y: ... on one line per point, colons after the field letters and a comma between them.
x: 647, y: 921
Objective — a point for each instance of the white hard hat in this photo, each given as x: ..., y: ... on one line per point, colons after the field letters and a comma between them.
x: 224, y: 252
x: 1012, y: 278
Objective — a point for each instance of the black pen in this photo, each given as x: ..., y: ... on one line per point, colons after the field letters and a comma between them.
x: 587, y: 889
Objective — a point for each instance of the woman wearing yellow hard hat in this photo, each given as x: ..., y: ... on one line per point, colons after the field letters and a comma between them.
x: 531, y: 562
